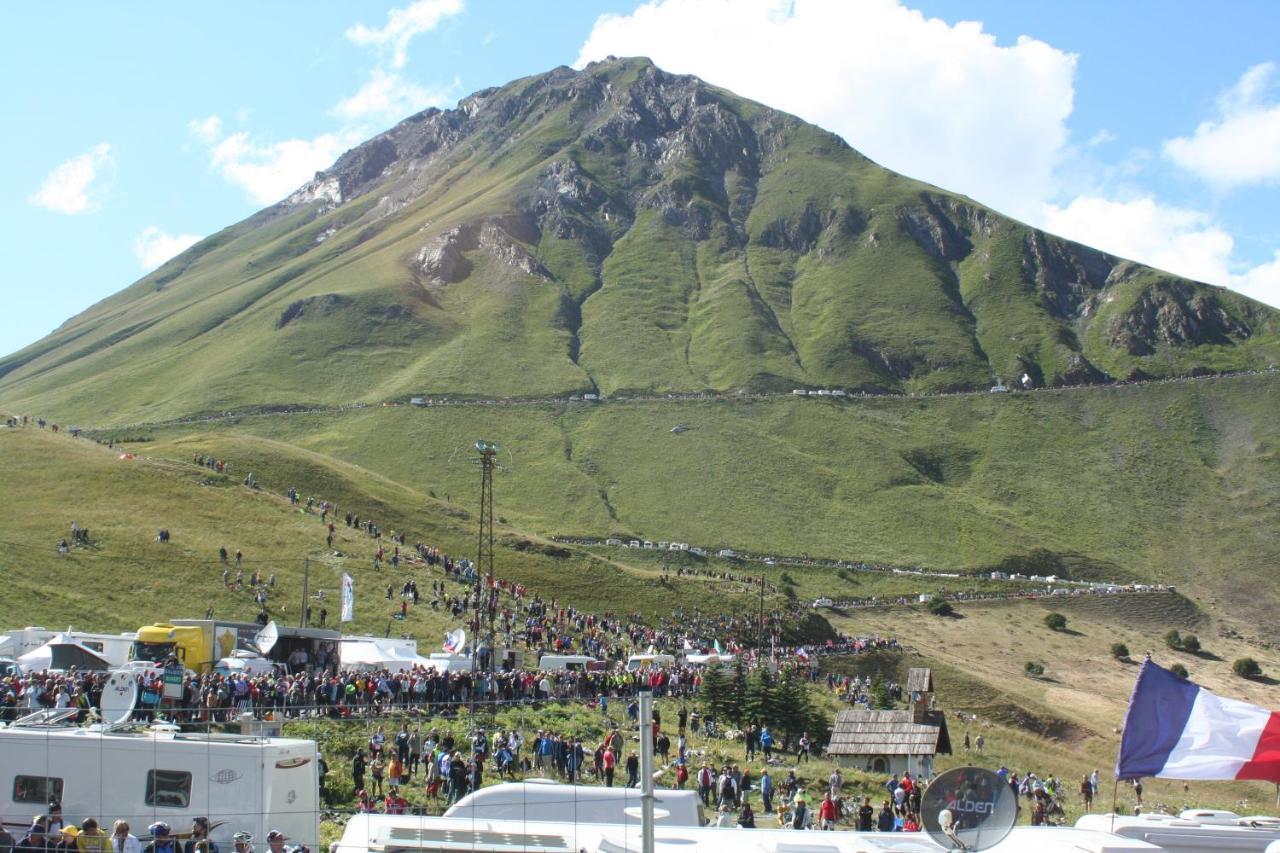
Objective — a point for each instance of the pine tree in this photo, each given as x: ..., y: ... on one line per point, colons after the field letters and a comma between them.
x: 738, y: 700
x: 760, y: 696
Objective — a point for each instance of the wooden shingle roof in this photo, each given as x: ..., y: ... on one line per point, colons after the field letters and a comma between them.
x: 919, y: 680
x: 859, y: 732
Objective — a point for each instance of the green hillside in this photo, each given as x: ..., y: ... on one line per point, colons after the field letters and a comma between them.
x: 619, y: 229
x: 1174, y: 482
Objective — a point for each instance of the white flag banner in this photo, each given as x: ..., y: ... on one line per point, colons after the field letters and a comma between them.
x: 348, y: 598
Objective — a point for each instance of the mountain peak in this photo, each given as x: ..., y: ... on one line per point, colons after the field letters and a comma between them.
x: 618, y: 228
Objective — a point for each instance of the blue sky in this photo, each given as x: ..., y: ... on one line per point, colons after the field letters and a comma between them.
x: 1149, y: 129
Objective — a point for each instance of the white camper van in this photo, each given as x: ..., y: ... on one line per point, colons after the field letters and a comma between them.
x: 574, y: 663
x: 240, y: 783
x: 657, y: 661
x: 545, y: 800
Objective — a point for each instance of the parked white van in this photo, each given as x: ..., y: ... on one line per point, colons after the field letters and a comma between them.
x: 574, y: 663
x: 658, y: 661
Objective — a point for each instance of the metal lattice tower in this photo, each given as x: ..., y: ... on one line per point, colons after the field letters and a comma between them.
x: 488, y: 451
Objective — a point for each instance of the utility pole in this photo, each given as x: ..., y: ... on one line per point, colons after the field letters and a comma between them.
x: 760, y: 623
x: 646, y: 772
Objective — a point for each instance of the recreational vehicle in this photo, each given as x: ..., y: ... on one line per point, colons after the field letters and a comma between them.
x: 113, y: 647
x: 546, y: 800
x: 1191, y: 831
x: 253, y: 784
x: 650, y: 661
x: 377, y: 833
x: 574, y: 663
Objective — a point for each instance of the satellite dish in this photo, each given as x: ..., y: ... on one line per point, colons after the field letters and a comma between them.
x: 968, y: 808
x: 118, y: 697
x: 455, y: 640
x: 266, y: 639
x: 637, y: 812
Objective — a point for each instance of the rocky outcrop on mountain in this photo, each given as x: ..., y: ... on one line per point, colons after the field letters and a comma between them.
x: 315, y: 306
x: 443, y: 259
x: 1176, y: 314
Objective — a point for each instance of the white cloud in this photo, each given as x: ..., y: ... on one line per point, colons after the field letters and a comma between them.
x: 270, y: 171
x: 206, y: 130
x: 388, y: 97
x: 1102, y: 137
x: 70, y: 187
x: 1176, y: 239
x: 940, y: 102
x: 402, y: 26
x: 1242, y: 145
x: 153, y: 246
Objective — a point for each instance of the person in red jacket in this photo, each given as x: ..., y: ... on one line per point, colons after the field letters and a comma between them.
x: 827, y: 813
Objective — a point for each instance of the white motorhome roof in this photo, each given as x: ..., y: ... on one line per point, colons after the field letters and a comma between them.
x: 375, y: 833
x: 544, y: 801
x: 1192, y: 831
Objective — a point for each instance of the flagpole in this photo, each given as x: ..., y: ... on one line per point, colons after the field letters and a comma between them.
x: 1115, y: 793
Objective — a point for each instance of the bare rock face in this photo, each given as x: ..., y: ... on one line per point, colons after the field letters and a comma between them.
x: 443, y: 259
x: 1176, y: 314
x: 315, y: 306
x: 934, y: 232
x: 1067, y: 274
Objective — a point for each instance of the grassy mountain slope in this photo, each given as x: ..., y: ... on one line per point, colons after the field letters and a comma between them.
x: 127, y: 578
x: 1175, y: 482
x: 619, y: 229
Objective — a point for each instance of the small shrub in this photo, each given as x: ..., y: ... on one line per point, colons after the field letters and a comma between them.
x: 1173, y: 639
x: 1246, y: 668
x: 941, y: 607
x: 1034, y: 668
x: 789, y: 592
x: 1191, y: 643
x: 1119, y: 651
x: 1179, y: 670
x: 1055, y: 621
x: 787, y: 579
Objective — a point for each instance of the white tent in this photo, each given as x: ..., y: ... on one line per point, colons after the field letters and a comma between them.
x: 62, y: 653
x: 374, y: 653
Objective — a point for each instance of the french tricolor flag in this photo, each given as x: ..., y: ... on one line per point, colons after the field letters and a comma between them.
x: 1178, y: 730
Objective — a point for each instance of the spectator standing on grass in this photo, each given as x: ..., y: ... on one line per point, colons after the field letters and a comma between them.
x: 827, y: 813
x: 1086, y: 793
x: 866, y: 815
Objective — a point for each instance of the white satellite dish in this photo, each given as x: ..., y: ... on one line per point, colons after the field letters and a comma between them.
x: 118, y: 697
x: 266, y: 639
x: 455, y: 641
x: 637, y: 812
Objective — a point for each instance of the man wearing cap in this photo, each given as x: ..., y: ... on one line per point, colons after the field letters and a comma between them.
x: 161, y: 839
x: 37, y: 837
x: 200, y: 832
x: 243, y: 842
x: 55, y: 823
x: 276, y: 840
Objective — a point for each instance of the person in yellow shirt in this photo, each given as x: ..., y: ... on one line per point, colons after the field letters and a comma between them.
x: 91, y: 838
